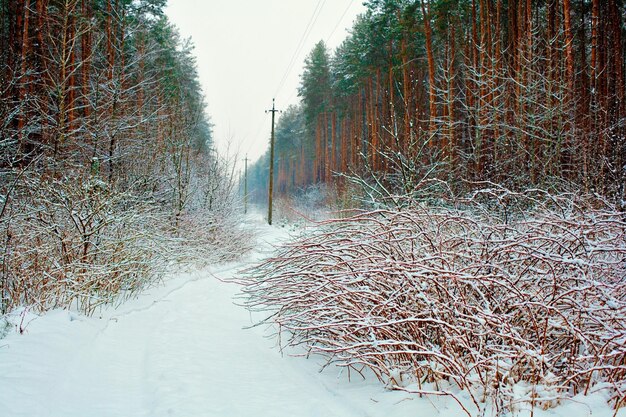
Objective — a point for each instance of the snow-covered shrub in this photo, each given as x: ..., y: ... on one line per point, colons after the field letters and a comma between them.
x: 315, y: 203
x: 73, y: 241
x: 461, y: 296
x: 307, y: 206
x: 207, y: 237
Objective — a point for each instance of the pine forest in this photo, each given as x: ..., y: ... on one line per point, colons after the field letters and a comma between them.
x: 517, y: 92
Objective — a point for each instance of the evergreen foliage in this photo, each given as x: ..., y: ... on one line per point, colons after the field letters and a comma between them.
x: 525, y: 93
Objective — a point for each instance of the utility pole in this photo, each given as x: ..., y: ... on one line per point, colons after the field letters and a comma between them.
x: 271, y: 190
x: 245, y: 186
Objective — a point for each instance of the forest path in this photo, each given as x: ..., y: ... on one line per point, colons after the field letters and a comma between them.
x: 177, y: 350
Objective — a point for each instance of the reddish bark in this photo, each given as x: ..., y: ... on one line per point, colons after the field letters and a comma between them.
x: 432, y: 95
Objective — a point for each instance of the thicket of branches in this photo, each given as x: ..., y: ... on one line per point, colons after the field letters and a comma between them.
x: 517, y: 299
x: 105, y: 152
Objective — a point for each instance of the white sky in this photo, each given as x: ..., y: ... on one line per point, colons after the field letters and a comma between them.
x: 243, y: 50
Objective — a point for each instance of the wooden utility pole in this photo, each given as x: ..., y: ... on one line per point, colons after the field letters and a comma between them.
x: 271, y: 186
x: 245, y: 185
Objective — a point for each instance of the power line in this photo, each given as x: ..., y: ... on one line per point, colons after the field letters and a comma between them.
x: 307, y: 31
x: 343, y: 15
x: 256, y: 133
x: 339, y: 22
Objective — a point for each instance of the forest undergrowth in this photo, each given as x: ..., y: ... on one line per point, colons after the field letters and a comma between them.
x: 516, y: 299
x: 78, y: 243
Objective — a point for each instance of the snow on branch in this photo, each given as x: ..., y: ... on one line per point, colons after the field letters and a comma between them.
x: 513, y: 297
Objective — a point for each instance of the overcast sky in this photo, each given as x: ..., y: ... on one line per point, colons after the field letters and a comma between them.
x: 244, y: 49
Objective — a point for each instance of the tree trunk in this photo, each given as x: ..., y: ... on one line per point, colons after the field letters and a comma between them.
x: 24, y: 76
x: 569, y: 41
x: 432, y: 95
x: 86, y: 58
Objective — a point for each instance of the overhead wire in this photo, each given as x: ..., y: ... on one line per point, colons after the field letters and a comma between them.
x: 257, y: 133
x: 343, y: 15
x: 340, y: 20
x: 305, y: 35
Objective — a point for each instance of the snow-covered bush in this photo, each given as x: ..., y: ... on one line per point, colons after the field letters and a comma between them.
x: 315, y: 203
x: 210, y: 236
x: 73, y: 241
x: 76, y: 242
x: 521, y: 304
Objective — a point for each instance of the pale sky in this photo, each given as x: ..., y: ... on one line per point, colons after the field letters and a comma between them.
x: 244, y: 49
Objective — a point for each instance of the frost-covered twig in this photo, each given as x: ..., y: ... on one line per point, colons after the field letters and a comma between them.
x: 465, y: 295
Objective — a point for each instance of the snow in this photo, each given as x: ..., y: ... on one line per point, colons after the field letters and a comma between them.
x: 183, y: 349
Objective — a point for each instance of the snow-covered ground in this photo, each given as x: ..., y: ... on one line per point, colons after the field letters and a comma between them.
x: 182, y: 350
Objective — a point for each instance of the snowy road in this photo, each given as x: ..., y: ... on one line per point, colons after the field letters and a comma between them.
x: 181, y: 350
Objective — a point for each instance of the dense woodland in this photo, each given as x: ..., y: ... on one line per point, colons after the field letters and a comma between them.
x: 105, y: 148
x: 523, y: 93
